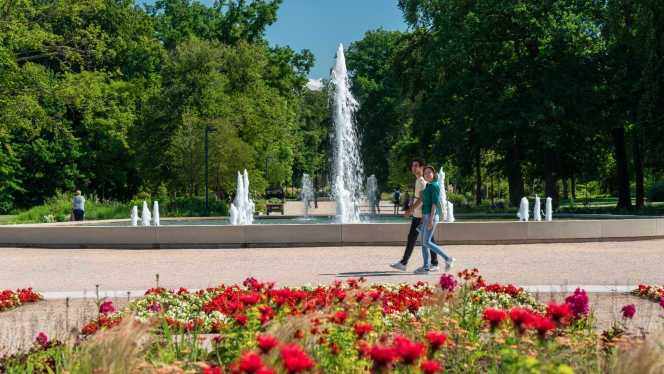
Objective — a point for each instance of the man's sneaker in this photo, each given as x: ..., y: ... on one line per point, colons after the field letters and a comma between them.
x: 422, y: 270
x: 398, y: 266
x: 449, y: 263
x: 434, y: 268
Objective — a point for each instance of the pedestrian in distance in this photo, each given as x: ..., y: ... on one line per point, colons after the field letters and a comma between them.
x: 78, y: 207
x: 417, y: 165
x: 430, y: 215
x: 377, y: 198
x: 315, y: 199
x: 396, y: 200
x: 406, y: 200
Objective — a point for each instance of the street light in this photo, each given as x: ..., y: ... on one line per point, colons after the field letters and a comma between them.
x: 207, y: 188
x: 266, y: 174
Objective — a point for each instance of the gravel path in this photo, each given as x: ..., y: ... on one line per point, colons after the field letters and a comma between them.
x: 608, y: 263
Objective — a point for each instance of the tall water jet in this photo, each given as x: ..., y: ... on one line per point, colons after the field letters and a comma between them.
x: 155, y: 213
x: 134, y: 215
x: 242, y: 210
x: 347, y: 170
x: 307, y: 193
x: 523, y: 210
x: 373, y: 194
x: 537, y: 212
x: 146, y: 217
x: 549, y: 210
x: 443, y: 195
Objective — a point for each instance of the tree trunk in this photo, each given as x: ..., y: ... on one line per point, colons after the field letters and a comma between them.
x: 565, y: 191
x: 478, y: 176
x: 551, y: 183
x: 573, y: 186
x: 638, y: 167
x: 624, y: 199
x: 515, y: 178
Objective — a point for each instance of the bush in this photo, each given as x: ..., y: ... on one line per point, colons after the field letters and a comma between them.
x: 656, y: 191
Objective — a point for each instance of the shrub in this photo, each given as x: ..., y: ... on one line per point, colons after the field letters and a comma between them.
x: 656, y: 191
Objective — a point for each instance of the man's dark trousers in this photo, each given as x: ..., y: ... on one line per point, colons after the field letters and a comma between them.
x: 412, y: 238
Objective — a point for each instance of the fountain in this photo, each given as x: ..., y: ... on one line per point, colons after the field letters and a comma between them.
x: 443, y: 195
x: 372, y: 193
x: 347, y: 170
x: 549, y: 210
x: 523, y: 210
x: 155, y: 213
x: 134, y: 215
x: 450, y: 212
x: 242, y: 210
x: 146, y: 217
x: 307, y: 193
x: 537, y: 212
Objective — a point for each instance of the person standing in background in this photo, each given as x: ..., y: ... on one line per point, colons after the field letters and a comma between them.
x: 78, y: 207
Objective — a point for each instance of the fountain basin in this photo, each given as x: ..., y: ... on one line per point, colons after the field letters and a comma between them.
x: 360, y: 234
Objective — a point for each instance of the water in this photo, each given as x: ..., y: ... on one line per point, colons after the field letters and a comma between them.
x: 242, y: 210
x: 372, y: 193
x: 307, y: 193
x: 146, y: 217
x: 347, y: 170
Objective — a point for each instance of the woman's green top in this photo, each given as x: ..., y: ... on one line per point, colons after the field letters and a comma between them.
x: 430, y: 196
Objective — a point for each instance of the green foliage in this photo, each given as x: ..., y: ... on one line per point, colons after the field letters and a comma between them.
x: 656, y: 191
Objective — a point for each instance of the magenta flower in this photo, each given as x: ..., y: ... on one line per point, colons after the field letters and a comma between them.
x: 41, y: 339
x: 106, y: 307
x: 155, y: 307
x: 661, y: 301
x: 447, y: 282
x: 579, y: 303
x: 628, y: 311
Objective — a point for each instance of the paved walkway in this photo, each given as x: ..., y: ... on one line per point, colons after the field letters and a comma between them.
x: 602, y: 264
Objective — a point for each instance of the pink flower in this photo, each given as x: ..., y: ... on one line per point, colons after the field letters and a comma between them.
x: 155, y: 307
x: 661, y: 301
x: 579, y: 303
x: 628, y: 311
x: 41, y: 339
x: 447, y: 282
x: 106, y: 307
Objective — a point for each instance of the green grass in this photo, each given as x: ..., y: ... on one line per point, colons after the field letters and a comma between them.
x: 5, y: 220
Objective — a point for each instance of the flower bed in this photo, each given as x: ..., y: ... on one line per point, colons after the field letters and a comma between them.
x: 10, y: 299
x: 462, y: 325
x: 651, y: 292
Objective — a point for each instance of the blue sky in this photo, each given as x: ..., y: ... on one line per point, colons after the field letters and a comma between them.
x: 320, y: 25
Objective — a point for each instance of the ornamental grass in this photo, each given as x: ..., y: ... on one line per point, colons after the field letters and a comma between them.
x: 346, y: 327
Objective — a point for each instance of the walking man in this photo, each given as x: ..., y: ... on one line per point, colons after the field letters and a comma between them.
x: 316, y: 199
x: 396, y: 200
x: 417, y: 167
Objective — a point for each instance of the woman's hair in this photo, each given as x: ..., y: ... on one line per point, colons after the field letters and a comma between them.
x: 433, y: 169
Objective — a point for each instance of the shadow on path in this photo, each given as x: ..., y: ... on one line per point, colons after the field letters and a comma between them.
x: 371, y: 274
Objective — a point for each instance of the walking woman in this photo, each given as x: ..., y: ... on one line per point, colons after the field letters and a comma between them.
x: 430, y: 197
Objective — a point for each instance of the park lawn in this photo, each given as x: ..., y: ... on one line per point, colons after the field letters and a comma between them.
x: 6, y: 219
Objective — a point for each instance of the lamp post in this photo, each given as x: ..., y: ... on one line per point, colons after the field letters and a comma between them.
x: 266, y: 173
x: 207, y: 188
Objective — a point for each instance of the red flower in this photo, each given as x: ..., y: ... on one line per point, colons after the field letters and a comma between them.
x: 340, y: 294
x: 495, y: 317
x: 628, y: 311
x: 267, y: 314
x: 362, y: 348
x: 409, y: 350
x: 522, y: 318
x: 250, y: 362
x: 251, y: 298
x: 431, y: 367
x: 294, y: 359
x: 558, y: 312
x: 265, y: 370
x: 352, y: 282
x: 214, y: 370
x: 334, y: 348
x: 241, y: 319
x: 340, y: 317
x: 298, y: 334
x: 266, y: 343
x: 383, y: 356
x: 436, y: 339
x: 362, y: 329
x: 375, y: 295
x: 544, y: 325
x: 359, y: 295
